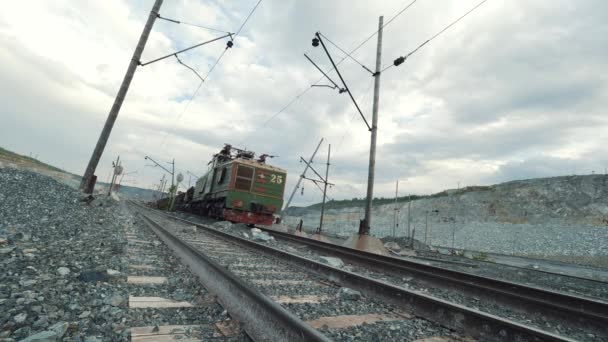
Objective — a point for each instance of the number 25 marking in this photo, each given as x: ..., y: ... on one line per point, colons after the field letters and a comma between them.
x: 276, y: 179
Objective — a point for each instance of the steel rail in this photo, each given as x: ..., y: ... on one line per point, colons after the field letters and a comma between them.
x: 469, y: 321
x: 587, y: 313
x: 563, y: 275
x: 262, y: 318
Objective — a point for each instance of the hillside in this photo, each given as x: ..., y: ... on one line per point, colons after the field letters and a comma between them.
x: 15, y: 160
x: 574, y: 199
x: 565, y: 215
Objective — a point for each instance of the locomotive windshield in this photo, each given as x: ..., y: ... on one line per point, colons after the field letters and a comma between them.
x: 244, y: 177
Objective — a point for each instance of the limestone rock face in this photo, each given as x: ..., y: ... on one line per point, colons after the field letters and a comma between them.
x: 565, y: 215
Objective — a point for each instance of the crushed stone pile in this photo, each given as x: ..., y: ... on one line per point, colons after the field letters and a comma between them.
x: 61, y: 273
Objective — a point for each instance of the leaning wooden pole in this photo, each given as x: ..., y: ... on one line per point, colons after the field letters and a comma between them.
x: 86, y: 184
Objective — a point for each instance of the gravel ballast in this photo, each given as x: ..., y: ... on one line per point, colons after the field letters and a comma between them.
x: 406, y: 280
x: 273, y: 277
x: 64, y: 265
x: 55, y: 253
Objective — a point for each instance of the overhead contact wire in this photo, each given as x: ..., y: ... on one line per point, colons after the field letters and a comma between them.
x: 190, y: 24
x: 438, y: 33
x: 247, y: 19
x: 212, y: 68
x: 338, y: 63
x: 348, y: 55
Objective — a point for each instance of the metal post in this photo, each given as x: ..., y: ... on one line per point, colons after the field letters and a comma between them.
x: 409, y: 218
x: 413, y: 236
x: 113, y: 175
x: 426, y: 224
x: 431, y: 233
x: 325, y: 189
x: 364, y: 229
x: 453, y: 232
x: 395, y: 213
x: 173, y: 187
x: 122, y: 92
x: 162, y: 190
x: 173, y: 172
x: 301, y: 177
x: 160, y: 195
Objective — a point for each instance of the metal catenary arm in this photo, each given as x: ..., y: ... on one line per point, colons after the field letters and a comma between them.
x: 342, y: 79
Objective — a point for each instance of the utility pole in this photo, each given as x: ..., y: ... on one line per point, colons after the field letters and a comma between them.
x: 190, y: 179
x: 172, y: 172
x: 426, y: 224
x: 367, y: 221
x: 301, y: 177
x: 162, y: 190
x: 123, y: 176
x: 86, y: 184
x: 160, y: 186
x: 409, y: 218
x: 324, y: 189
x: 395, y: 215
x: 117, y: 170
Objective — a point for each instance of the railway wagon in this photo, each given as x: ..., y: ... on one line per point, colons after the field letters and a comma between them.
x: 238, y: 188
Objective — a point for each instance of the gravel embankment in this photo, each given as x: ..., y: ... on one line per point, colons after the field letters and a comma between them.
x: 559, y: 218
x: 581, y: 287
x: 61, y: 272
x: 277, y: 278
x: 408, y: 281
x: 145, y: 249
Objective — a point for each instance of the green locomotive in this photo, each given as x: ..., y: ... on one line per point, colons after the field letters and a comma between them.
x: 238, y: 188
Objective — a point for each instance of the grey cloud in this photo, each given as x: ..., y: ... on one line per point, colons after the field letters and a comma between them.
x: 506, y: 85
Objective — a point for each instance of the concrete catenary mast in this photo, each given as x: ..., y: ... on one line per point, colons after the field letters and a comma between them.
x: 367, y: 221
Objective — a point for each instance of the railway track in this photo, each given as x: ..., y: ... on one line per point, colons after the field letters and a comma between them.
x: 166, y: 302
x: 257, y: 289
x: 560, y: 313
x: 467, y: 321
x: 586, y: 314
x: 477, y: 263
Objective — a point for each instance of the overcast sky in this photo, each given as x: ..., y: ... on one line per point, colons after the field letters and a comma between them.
x: 518, y: 89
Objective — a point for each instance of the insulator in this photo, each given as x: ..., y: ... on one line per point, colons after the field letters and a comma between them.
x: 399, y: 61
x: 302, y: 193
x: 315, y: 42
x: 229, y: 44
